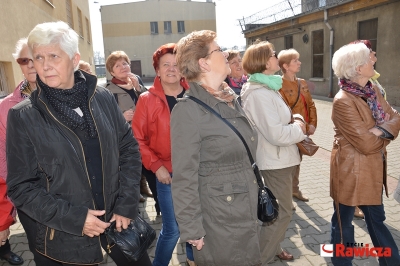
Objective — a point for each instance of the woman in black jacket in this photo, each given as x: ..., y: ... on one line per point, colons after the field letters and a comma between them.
x: 73, y: 164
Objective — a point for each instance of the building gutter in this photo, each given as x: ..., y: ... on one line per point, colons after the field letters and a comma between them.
x: 330, y: 53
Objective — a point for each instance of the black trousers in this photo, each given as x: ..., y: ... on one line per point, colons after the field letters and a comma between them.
x: 117, y: 256
x: 4, y: 249
x: 151, y: 180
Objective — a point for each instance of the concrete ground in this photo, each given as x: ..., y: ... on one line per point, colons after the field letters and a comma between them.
x: 310, y: 225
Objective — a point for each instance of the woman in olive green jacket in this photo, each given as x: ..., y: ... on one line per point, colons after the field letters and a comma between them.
x: 214, y: 188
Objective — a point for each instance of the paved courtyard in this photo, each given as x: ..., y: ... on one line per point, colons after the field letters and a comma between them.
x: 310, y: 225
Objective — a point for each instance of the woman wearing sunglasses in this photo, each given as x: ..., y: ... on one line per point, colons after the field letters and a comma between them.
x: 7, y: 216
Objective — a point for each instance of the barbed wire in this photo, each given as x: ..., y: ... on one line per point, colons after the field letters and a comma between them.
x: 284, y: 10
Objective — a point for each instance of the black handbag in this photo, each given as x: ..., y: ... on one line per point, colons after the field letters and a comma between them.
x: 133, y: 241
x: 267, y: 206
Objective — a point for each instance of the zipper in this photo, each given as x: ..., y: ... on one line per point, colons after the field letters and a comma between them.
x: 102, y: 161
x: 76, y: 152
x: 51, y: 237
x: 73, y: 147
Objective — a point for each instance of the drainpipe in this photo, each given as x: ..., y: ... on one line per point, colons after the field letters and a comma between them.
x: 330, y: 54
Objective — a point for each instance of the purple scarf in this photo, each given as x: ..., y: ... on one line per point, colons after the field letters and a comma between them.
x: 368, y: 94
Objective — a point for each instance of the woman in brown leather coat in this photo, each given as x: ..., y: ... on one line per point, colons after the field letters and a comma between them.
x: 297, y: 96
x: 364, y: 125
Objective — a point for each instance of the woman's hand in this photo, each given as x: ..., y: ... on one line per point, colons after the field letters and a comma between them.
x: 301, y: 124
x: 376, y: 131
x: 135, y: 81
x: 163, y: 175
x: 311, y: 130
x: 4, y: 236
x: 387, y: 117
x: 128, y: 114
x: 121, y: 222
x: 94, y: 226
x: 198, y: 243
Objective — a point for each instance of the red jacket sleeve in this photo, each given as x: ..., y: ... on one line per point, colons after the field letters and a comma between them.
x: 6, y: 207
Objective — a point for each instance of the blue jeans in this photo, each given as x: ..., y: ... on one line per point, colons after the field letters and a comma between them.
x: 169, y: 233
x: 379, y: 233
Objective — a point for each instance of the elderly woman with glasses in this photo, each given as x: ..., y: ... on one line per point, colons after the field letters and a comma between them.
x: 277, y: 154
x: 7, y: 216
x: 364, y: 124
x: 73, y: 163
x: 214, y: 188
x: 236, y: 78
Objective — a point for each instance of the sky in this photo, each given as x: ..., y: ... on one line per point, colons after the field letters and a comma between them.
x: 228, y: 12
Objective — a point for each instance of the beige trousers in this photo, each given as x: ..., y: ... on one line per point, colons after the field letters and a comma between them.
x: 279, y: 181
x: 296, y: 180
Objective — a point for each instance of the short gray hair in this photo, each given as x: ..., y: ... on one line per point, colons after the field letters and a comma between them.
x: 55, y: 33
x: 348, y: 58
x: 21, y: 43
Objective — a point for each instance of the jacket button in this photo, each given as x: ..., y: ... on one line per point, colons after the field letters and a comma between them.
x: 252, y: 138
x: 234, y: 122
x: 93, y: 177
x: 255, y: 181
x: 229, y: 198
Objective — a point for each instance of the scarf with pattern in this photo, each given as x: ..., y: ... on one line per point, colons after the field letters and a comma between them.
x: 366, y: 93
x: 64, y: 101
x: 237, y: 83
x: 25, y: 89
x: 224, y: 93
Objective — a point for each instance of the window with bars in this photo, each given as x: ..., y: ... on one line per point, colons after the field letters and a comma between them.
x: 318, y: 53
x: 368, y: 30
x: 80, y: 22
x: 154, y: 27
x: 89, y: 35
x: 70, y: 20
x: 288, y: 41
x: 181, y: 26
x: 167, y: 27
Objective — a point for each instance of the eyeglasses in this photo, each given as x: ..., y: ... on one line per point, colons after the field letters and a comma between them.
x: 274, y: 55
x: 216, y: 50
x: 24, y: 61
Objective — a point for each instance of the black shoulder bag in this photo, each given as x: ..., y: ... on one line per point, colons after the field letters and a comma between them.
x: 267, y: 206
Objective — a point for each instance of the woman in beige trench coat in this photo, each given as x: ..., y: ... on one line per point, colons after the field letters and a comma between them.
x: 214, y: 188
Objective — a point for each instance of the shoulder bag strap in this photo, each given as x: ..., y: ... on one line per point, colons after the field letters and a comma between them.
x: 253, y: 164
x: 298, y: 95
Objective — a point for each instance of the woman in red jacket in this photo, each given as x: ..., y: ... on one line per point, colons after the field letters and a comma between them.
x: 151, y: 126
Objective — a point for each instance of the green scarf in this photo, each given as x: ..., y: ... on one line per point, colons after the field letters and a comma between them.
x: 272, y: 81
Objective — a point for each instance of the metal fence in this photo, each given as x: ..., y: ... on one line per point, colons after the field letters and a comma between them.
x: 284, y: 10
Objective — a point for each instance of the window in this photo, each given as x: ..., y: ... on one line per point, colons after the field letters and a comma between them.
x: 368, y: 30
x: 181, y: 26
x: 3, y: 80
x: 154, y: 27
x: 80, y: 22
x: 89, y: 39
x: 70, y: 21
x: 318, y: 53
x: 167, y: 27
x: 288, y: 41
